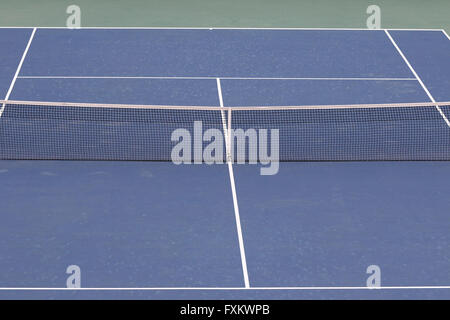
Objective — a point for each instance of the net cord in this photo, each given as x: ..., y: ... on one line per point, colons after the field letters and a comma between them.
x: 212, y: 108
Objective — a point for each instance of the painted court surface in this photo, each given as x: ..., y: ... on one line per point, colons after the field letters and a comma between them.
x: 158, y: 230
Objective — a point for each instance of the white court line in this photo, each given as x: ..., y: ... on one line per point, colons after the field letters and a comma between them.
x: 221, y: 28
x: 446, y: 34
x: 417, y: 76
x: 11, y: 86
x: 214, y: 78
x: 229, y: 288
x: 227, y: 132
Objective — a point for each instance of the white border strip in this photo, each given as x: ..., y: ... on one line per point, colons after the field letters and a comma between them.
x: 11, y: 86
x: 214, y: 78
x: 215, y: 108
x: 229, y: 288
x: 227, y: 132
x: 222, y: 28
x: 417, y: 76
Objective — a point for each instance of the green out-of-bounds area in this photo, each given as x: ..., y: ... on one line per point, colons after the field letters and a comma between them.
x: 411, y: 14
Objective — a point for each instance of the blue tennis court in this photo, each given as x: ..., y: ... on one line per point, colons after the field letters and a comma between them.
x: 154, y: 229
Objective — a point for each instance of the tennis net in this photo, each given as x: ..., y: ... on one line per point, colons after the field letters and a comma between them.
x: 78, y: 131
